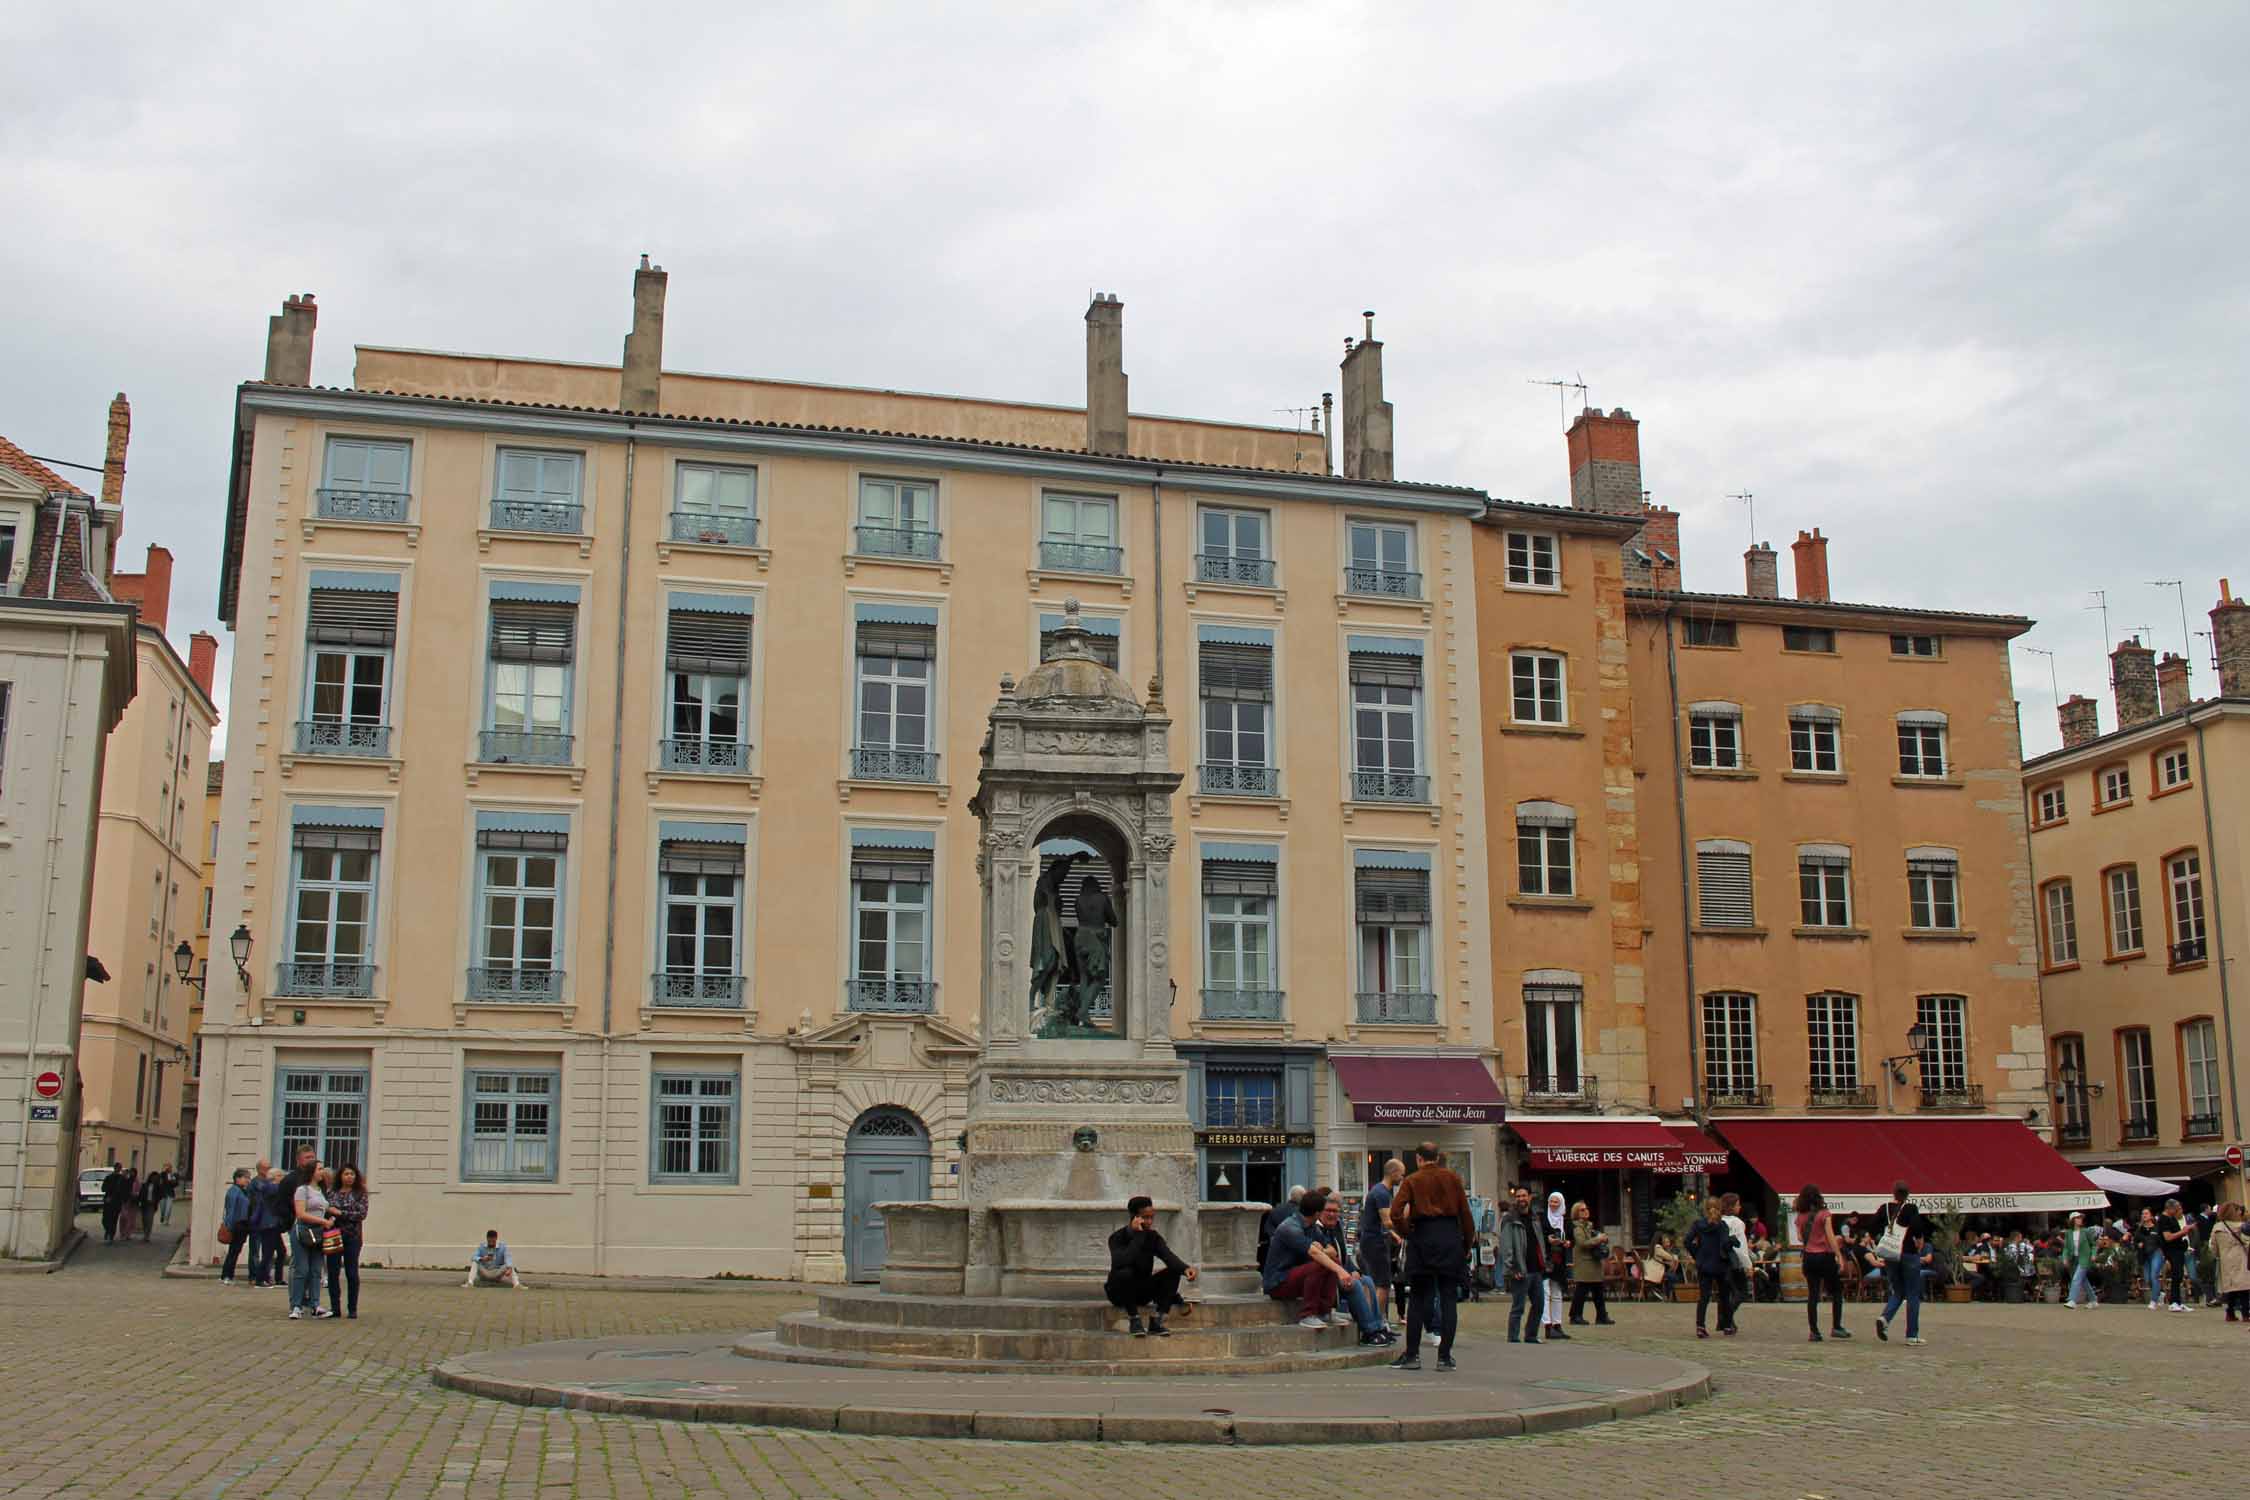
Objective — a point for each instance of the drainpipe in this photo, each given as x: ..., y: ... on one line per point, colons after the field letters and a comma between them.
x: 609, y: 897
x: 2218, y: 931
x: 1687, y: 912
x: 39, y: 949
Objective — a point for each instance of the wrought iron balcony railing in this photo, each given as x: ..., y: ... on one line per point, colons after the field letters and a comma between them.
x: 1081, y: 557
x: 714, y: 530
x: 899, y: 996
x: 384, y: 506
x: 1854, y: 1096
x: 526, y: 747
x: 1390, y: 786
x: 706, y: 755
x: 898, y: 541
x: 1213, y: 567
x: 2190, y: 952
x: 2076, y: 1132
x: 1558, y: 1088
x: 882, y: 763
x: 335, y: 737
x: 320, y: 977
x: 691, y: 989
x: 1397, y: 1008
x: 553, y: 517
x: 1387, y: 583
x: 1739, y: 1096
x: 1960, y: 1096
x: 1241, y: 1004
x: 2200, y: 1125
x: 1239, y: 781
x: 2138, y: 1128
x: 513, y: 982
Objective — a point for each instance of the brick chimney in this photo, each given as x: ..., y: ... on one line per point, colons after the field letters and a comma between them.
x: 1106, y: 424
x: 203, y: 659
x: 1660, y: 539
x: 1811, y: 549
x: 2171, y: 682
x: 1368, y: 442
x: 641, y: 384
x: 2230, y: 642
x: 113, y: 457
x: 151, y: 591
x: 289, y: 341
x: 1605, y: 462
x: 2081, y: 720
x: 1761, y: 571
x: 2132, y: 675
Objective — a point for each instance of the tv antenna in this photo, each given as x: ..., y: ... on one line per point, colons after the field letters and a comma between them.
x: 2053, y: 680
x: 2101, y: 602
x: 1563, y: 388
x: 2187, y: 637
x: 1751, y: 502
x: 1301, y: 413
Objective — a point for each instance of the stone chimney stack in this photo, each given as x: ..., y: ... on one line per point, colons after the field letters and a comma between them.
x: 1106, y: 423
x: 1368, y: 442
x: 1761, y: 571
x: 2081, y: 720
x: 2132, y: 674
x: 2230, y: 641
x: 1605, y: 462
x: 1811, y: 549
x: 2171, y: 682
x: 113, y: 458
x: 1660, y: 538
x: 641, y: 385
x: 203, y: 659
x: 289, y: 341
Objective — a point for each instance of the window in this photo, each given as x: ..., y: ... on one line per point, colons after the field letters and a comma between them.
x: 2122, y: 889
x: 1537, y: 681
x: 1232, y: 547
x: 8, y: 557
x: 1921, y: 743
x: 332, y: 902
x: 1391, y: 905
x: 208, y: 894
x: 1551, y: 1053
x: 2053, y: 806
x: 1101, y: 638
x: 2115, y: 785
x: 1379, y: 559
x: 693, y: 1127
x: 1832, y: 1028
x: 2199, y: 1077
x: 1078, y: 533
x: 1533, y: 560
x: 534, y: 643
x: 519, y: 900
x: 1235, y: 679
x: 511, y: 1127
x: 1241, y: 1099
x: 326, y: 1109
x: 140, y: 1085
x: 1933, y: 889
x: 2172, y: 768
x: 2136, y: 1064
x: 1730, y: 1047
x: 1824, y: 885
x: 1239, y: 896
x: 1715, y: 737
x: 707, y: 664
x: 1815, y: 740
x: 1386, y: 719
x: 1722, y: 884
x: 715, y: 506
x: 351, y: 630
x: 213, y: 855
x: 895, y: 659
x: 1545, y: 832
x: 1701, y: 632
x: 2060, y: 909
x: 2183, y: 874
x: 363, y: 480
x: 2076, y: 1118
x: 898, y: 518
x: 1808, y: 638
x: 891, y: 922
x: 1916, y: 645
x: 1945, y: 1054
x: 699, y: 873
x: 537, y: 492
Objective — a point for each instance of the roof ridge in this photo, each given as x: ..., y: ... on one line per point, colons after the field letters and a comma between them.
x: 23, y: 463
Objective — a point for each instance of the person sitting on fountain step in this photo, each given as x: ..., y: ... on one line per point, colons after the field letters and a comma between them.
x: 1300, y: 1269
x: 1134, y: 1280
x: 1359, y: 1298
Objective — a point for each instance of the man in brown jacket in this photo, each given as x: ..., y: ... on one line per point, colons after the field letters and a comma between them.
x: 1431, y: 1211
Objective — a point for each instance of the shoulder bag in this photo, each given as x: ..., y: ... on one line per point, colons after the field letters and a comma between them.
x: 1892, y: 1246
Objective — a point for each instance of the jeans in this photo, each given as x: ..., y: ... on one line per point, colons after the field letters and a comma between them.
x: 1822, y: 1270
x: 164, y: 1210
x: 1717, y: 1286
x: 343, y: 1272
x: 1908, y: 1291
x: 110, y: 1213
x: 2152, y: 1272
x: 304, y: 1278
x: 1359, y: 1300
x: 2081, y: 1292
x: 1527, y: 1302
x: 1432, y: 1298
x: 268, y: 1241
x: 234, y: 1252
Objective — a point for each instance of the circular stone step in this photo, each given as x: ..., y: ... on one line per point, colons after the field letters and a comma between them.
x: 813, y: 1337
x: 1031, y: 1315
x: 1127, y: 1359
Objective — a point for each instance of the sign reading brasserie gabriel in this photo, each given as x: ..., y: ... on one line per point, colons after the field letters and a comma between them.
x: 1275, y: 1138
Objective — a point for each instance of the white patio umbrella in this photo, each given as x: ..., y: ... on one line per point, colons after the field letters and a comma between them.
x: 2129, y: 1185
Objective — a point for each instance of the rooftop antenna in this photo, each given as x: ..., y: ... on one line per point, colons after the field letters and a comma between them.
x: 2187, y: 637
x: 1563, y: 388
x: 2101, y: 602
x: 1298, y: 414
x: 2053, y: 680
x: 1751, y: 501
x: 2212, y: 642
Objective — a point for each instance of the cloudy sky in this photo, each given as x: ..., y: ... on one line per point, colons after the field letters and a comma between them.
x: 1966, y: 289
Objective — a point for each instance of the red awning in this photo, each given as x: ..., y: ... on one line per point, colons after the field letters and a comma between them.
x: 1574, y: 1145
x: 1983, y: 1165
x: 1421, y: 1090
x: 1701, y: 1152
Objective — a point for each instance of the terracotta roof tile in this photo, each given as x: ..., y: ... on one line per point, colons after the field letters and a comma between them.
x: 31, y: 468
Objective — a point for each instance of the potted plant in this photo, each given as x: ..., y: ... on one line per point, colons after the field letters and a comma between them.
x: 1945, y: 1246
x: 2051, y: 1278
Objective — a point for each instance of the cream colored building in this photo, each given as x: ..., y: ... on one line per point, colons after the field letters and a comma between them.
x: 602, y: 739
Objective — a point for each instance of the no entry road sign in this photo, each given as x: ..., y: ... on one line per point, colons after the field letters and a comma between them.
x: 48, y: 1085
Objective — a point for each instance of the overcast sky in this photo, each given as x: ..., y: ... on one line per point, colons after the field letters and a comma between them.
x: 1967, y: 291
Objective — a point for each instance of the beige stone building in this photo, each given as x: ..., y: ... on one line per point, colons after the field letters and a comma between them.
x: 600, y: 750
x: 2137, y: 844
x: 200, y: 949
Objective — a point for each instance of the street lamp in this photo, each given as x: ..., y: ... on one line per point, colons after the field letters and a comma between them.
x: 238, y: 943
x: 1917, y: 1053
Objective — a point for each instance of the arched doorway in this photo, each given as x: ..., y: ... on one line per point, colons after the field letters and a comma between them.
x: 886, y: 1160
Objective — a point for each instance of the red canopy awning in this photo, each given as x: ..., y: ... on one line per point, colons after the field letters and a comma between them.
x: 1421, y: 1090
x: 1702, y: 1153
x: 1991, y: 1164
x: 1578, y: 1145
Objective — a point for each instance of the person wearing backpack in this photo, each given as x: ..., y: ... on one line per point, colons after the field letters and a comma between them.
x: 1903, y: 1239
x: 1710, y: 1244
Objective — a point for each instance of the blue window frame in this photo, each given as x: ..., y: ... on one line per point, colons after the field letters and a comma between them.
x: 692, y: 1128
x: 324, y: 1108
x: 508, y: 1126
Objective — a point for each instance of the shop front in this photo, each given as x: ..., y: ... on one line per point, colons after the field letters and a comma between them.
x: 1386, y: 1103
x: 1252, y: 1108
x: 1621, y: 1167
x: 1984, y: 1166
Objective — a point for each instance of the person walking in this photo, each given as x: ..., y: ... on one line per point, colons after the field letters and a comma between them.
x: 1523, y: 1268
x: 236, y: 1216
x: 348, y: 1205
x: 1816, y: 1232
x: 1589, y: 1268
x: 115, y: 1188
x: 1912, y: 1243
x: 2173, y: 1238
x: 1710, y: 1244
x: 2148, y: 1244
x: 311, y: 1223
x: 151, y: 1195
x: 1431, y: 1210
x: 2230, y: 1239
x: 167, y: 1188
x: 1730, y: 1209
x: 129, y: 1217
x: 2079, y: 1244
x: 270, y: 1224
x: 1558, y: 1264
x: 1377, y: 1243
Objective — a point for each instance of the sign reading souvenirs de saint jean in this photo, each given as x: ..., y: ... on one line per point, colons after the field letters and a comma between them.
x: 1381, y: 1113
x: 1272, y: 1138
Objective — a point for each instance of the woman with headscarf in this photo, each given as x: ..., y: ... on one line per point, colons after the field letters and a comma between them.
x: 1558, y: 1264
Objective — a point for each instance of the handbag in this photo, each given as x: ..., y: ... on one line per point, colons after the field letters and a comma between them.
x: 1892, y: 1246
x: 226, y: 1235
x: 332, y: 1243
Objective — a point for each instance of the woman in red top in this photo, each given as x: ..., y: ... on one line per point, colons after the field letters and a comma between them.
x: 1817, y: 1234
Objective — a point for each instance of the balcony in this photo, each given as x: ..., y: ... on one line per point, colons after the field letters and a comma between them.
x: 508, y: 982
x: 2137, y: 1128
x: 1239, y: 781
x: 724, y: 756
x: 2200, y: 1125
x: 891, y: 997
x: 1241, y: 1005
x: 2076, y: 1132
x: 1738, y: 1096
x: 383, y: 507
x: 1383, y: 583
x: 1959, y: 1096
x: 1857, y: 1096
x: 335, y: 737
x: 524, y: 747
x: 916, y: 542
x: 2190, y: 952
x: 1253, y: 572
x: 547, y: 517
x: 710, y: 530
x: 700, y: 991
x: 343, y: 981
x: 1080, y: 557
x: 1534, y: 1089
x: 1397, y: 1008
x: 1391, y: 786
x: 882, y: 763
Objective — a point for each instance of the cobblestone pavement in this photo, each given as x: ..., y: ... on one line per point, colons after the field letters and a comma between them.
x: 115, y: 1382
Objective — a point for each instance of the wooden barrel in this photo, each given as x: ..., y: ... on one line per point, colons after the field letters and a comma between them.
x: 1793, y: 1274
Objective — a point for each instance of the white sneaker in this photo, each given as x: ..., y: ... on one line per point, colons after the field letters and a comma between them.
x: 1914, y: 1343
x: 1312, y: 1322
x: 322, y: 1312
x: 1339, y: 1320
x: 519, y: 1283
x: 2153, y: 1306
x: 2177, y: 1308
x: 472, y: 1281
x: 295, y: 1313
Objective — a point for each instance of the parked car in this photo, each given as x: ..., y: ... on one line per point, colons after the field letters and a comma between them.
x: 90, y: 1188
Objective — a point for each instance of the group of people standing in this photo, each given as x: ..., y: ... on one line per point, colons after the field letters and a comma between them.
x: 134, y: 1203
x: 2164, y: 1249
x: 298, y: 1224
x: 1543, y: 1259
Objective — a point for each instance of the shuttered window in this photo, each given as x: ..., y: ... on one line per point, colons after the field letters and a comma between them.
x: 1242, y: 674
x: 1391, y: 896
x: 713, y: 644
x: 1381, y: 669
x: 891, y: 866
x: 1722, y: 884
x: 903, y: 642
x: 1235, y: 877
x: 351, y: 617
x: 533, y: 632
